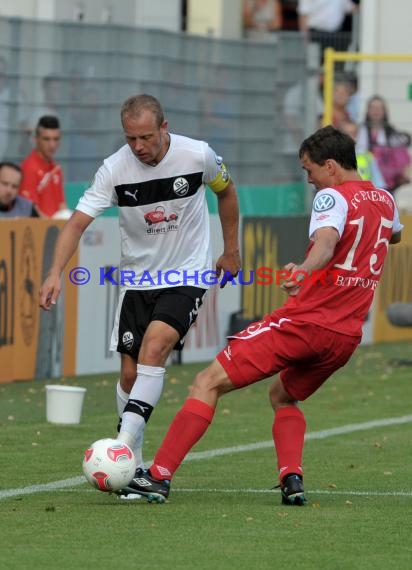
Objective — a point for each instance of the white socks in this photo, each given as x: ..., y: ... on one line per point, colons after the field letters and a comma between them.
x: 143, y: 398
x: 122, y: 398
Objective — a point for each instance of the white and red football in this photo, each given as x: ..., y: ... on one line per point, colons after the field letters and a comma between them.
x: 109, y: 465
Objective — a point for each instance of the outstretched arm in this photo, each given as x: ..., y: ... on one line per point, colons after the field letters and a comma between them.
x: 66, y: 245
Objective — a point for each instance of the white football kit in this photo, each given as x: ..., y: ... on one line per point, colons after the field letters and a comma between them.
x: 163, y: 214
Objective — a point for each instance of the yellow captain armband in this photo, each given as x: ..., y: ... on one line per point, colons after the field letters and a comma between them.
x: 221, y: 181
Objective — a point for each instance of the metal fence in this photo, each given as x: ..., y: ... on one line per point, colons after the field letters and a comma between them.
x: 230, y: 93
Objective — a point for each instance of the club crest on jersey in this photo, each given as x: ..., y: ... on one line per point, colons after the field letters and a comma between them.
x: 128, y: 340
x: 323, y: 203
x: 181, y: 186
x: 218, y: 159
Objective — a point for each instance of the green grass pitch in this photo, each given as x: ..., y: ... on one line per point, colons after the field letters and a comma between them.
x: 222, y: 512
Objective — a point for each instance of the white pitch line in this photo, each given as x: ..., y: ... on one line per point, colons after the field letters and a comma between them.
x: 350, y: 428
x: 312, y: 492
x: 54, y: 486
x: 198, y: 455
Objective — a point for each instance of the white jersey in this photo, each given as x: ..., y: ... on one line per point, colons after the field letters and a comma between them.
x: 163, y: 214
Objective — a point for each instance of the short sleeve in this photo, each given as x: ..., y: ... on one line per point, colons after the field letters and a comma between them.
x: 329, y: 209
x: 100, y: 195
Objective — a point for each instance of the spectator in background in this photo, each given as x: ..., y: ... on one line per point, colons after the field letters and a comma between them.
x: 341, y: 98
x: 322, y: 20
x: 42, y: 176
x: 350, y: 27
x: 353, y: 106
x: 261, y: 18
x: 367, y: 166
x: 289, y: 15
x: 376, y: 128
x: 11, y: 204
x: 388, y: 145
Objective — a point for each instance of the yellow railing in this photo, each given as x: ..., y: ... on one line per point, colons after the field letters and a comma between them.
x: 332, y: 56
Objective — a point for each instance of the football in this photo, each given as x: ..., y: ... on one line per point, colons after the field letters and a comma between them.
x: 109, y: 465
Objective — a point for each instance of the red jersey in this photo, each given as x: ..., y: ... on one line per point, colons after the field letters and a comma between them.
x: 339, y: 296
x: 42, y: 183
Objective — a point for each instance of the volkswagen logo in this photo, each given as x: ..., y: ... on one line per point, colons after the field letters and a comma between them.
x: 323, y: 203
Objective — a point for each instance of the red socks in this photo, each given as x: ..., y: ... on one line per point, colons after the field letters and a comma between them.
x: 192, y: 421
x: 188, y: 426
x: 288, y: 434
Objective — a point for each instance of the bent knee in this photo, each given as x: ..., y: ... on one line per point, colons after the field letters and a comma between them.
x: 202, y: 382
x: 206, y: 381
x: 278, y: 396
x: 155, y: 351
x: 154, y: 355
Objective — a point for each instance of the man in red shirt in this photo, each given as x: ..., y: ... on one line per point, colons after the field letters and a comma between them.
x: 42, y: 177
x: 313, y: 334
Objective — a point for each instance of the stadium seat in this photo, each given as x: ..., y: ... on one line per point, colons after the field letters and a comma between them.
x: 400, y: 315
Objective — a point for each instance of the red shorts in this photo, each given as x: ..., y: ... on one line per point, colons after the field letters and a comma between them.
x: 304, y: 353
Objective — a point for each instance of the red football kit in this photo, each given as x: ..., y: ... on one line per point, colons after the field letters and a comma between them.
x: 315, y: 332
x: 42, y: 183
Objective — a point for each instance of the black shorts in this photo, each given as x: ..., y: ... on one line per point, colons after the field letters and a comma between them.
x: 176, y: 306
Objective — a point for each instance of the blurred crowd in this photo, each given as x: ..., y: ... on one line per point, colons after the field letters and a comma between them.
x: 35, y: 188
x: 383, y: 149
x: 35, y: 185
x: 37, y: 136
x: 326, y: 22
